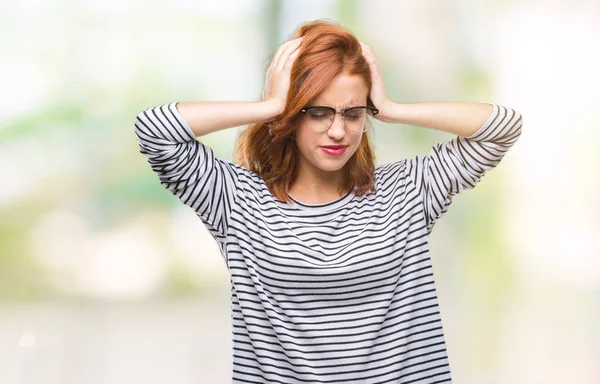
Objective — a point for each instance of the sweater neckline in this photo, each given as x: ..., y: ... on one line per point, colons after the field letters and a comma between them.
x: 300, y: 208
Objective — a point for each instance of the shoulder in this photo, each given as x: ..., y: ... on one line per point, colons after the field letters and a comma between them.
x: 244, y: 175
x: 385, y: 172
x: 390, y: 178
x: 251, y: 185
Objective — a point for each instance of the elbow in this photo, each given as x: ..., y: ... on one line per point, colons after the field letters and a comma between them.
x: 517, y: 121
x: 515, y: 127
x: 141, y: 128
x: 140, y: 119
x: 137, y: 126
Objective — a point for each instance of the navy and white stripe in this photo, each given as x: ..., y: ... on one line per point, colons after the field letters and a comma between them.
x: 341, y: 292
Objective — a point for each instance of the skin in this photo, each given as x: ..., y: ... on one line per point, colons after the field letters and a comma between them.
x: 318, y: 177
x: 319, y: 173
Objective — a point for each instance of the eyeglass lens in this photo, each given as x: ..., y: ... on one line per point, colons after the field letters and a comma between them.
x: 321, y: 119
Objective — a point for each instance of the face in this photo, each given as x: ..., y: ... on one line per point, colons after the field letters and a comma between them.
x: 343, y: 92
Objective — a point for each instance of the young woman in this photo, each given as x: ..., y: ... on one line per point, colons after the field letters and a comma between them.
x: 331, y: 280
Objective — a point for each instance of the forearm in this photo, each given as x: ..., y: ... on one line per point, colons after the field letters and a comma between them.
x: 212, y: 116
x: 459, y: 118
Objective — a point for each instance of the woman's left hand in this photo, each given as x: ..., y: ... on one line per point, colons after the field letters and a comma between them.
x: 378, y: 94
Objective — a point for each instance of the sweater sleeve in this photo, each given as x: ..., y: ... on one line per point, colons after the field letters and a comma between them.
x: 454, y: 166
x: 188, y: 168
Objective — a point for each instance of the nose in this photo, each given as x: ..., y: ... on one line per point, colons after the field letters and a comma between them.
x: 337, y: 130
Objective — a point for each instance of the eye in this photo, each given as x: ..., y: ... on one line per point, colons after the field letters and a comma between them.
x: 319, y: 113
x: 355, y: 113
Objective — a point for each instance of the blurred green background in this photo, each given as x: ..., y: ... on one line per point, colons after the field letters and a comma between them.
x: 106, y: 278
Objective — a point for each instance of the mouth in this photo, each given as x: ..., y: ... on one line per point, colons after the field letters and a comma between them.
x: 334, y: 150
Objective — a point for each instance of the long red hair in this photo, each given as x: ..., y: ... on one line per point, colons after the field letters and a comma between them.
x: 270, y: 150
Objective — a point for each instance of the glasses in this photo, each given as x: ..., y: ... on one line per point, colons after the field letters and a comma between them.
x: 320, y: 119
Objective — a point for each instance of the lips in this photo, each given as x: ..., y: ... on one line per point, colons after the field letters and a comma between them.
x: 334, y: 150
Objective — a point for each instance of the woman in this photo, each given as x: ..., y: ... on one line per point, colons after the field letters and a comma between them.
x: 331, y: 279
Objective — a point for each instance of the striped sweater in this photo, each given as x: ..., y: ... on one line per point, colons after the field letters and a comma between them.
x: 341, y: 292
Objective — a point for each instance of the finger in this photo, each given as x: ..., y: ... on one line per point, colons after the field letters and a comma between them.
x: 275, y: 62
x: 273, y: 66
x: 367, y: 52
x: 370, y: 58
x: 285, y: 53
x: 291, y: 58
x: 365, y: 47
x: 294, y: 44
x: 278, y: 53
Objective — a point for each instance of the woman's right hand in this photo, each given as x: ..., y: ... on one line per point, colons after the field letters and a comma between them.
x: 277, y: 79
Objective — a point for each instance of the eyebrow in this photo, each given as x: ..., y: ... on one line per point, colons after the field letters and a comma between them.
x: 342, y: 107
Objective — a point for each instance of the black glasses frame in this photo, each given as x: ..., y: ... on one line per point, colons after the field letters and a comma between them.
x: 373, y: 110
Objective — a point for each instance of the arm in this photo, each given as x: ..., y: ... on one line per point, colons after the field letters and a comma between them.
x: 207, y: 117
x: 459, y: 118
x: 484, y: 133
x: 459, y: 164
x: 188, y: 168
x: 166, y: 135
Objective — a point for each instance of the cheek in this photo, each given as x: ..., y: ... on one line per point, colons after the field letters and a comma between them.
x: 356, y: 141
x: 305, y: 140
x: 355, y: 144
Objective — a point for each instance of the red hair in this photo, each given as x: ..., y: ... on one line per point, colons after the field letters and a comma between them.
x: 270, y: 150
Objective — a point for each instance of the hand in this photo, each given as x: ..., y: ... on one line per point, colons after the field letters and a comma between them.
x: 277, y: 79
x: 378, y: 94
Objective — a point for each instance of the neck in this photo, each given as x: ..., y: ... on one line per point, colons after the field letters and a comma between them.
x: 317, y: 187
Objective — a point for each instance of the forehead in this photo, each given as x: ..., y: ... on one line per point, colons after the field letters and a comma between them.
x: 344, y: 90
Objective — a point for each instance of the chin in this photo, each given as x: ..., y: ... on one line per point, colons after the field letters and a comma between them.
x: 331, y: 166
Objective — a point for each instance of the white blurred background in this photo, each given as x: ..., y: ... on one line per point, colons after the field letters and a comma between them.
x: 106, y: 278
